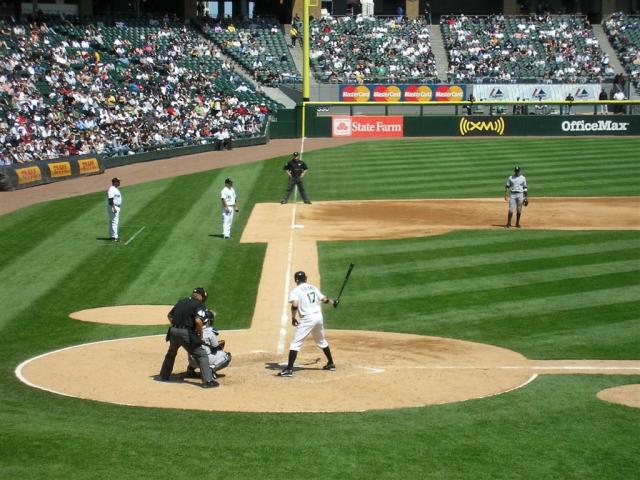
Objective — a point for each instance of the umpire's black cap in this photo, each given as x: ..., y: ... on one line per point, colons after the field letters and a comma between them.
x: 296, y: 154
x: 200, y: 291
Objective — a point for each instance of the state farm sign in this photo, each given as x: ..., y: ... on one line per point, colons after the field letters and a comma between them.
x: 367, y: 126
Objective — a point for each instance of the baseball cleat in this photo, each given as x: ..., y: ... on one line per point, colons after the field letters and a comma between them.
x: 287, y: 372
x: 211, y: 384
x: 330, y: 366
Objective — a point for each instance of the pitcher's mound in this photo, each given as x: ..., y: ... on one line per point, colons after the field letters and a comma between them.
x: 374, y: 371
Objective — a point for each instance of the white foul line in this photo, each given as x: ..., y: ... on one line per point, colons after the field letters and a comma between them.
x: 513, y: 367
x: 135, y: 235
x: 284, y: 319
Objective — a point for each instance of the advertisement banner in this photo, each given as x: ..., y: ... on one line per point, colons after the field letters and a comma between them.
x: 88, y: 166
x: 402, y: 93
x: 59, y: 169
x: 367, y: 126
x: 551, y: 92
x: 28, y: 175
x: 482, y: 126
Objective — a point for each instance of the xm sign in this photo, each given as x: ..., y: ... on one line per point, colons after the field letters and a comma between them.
x: 479, y: 126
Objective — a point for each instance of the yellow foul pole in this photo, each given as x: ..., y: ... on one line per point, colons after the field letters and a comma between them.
x: 305, y: 61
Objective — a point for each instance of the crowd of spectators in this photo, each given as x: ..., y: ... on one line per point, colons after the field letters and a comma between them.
x: 561, y: 49
x: 624, y: 33
x: 257, y: 44
x: 371, y: 50
x: 69, y: 89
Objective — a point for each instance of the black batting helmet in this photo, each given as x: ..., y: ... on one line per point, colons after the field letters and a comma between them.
x: 300, y: 277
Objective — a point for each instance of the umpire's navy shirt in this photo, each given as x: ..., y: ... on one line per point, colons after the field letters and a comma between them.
x: 295, y: 167
x: 183, y: 314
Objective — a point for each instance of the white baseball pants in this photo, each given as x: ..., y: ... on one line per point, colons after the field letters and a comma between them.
x: 313, y: 325
x: 114, y: 221
x: 227, y: 220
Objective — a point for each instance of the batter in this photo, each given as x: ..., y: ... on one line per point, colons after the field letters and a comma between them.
x: 305, y: 301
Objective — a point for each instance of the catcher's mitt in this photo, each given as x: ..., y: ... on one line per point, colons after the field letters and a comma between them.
x: 525, y: 202
x: 221, y: 344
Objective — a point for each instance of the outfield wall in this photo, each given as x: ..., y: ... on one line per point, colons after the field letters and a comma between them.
x: 462, y: 126
x: 19, y: 175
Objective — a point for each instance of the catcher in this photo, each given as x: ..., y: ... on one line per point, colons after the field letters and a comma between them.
x: 515, y: 192
x: 218, y: 358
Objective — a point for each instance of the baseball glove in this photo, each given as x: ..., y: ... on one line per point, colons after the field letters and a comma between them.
x: 525, y: 202
x: 221, y: 344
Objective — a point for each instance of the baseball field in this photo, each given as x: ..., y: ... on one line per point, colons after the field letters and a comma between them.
x: 438, y: 284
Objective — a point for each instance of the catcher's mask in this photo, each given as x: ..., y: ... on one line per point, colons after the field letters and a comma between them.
x: 300, y: 277
x: 209, y: 316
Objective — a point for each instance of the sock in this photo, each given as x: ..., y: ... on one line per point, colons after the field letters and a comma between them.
x: 292, y: 359
x: 327, y: 352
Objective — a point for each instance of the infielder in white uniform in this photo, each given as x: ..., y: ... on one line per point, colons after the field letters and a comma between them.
x: 305, y: 302
x: 218, y: 358
x: 515, y: 192
x: 114, y: 202
x: 229, y: 207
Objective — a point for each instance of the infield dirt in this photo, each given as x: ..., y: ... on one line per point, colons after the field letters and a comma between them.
x: 375, y: 370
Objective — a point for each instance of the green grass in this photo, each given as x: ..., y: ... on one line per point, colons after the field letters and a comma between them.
x: 544, y: 294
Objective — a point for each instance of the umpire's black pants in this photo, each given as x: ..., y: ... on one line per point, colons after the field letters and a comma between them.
x: 180, y: 337
x: 292, y: 183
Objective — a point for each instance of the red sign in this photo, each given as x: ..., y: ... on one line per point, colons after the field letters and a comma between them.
x: 367, y: 126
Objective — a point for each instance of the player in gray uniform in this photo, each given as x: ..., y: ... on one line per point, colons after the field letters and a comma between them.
x: 305, y: 302
x: 515, y: 192
x: 218, y: 358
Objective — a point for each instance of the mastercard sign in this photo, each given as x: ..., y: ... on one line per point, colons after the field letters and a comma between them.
x: 402, y: 93
x: 449, y: 93
x: 387, y: 93
x: 418, y: 93
x: 355, y: 93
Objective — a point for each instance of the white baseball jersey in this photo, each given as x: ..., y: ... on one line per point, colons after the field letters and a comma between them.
x: 517, y: 184
x: 114, y: 193
x: 229, y: 196
x: 309, y: 300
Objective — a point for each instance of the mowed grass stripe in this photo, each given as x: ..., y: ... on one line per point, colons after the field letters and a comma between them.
x: 465, y: 173
x: 446, y: 169
x: 509, y: 304
x: 508, y: 278
x: 458, y: 152
x: 200, y: 265
x: 594, y: 332
x: 121, y: 264
x: 53, y: 255
x: 455, y: 243
x: 523, y: 254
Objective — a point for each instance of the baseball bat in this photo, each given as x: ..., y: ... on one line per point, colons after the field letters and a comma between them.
x: 344, y: 284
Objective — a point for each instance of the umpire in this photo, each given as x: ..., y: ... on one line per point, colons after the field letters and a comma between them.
x: 295, y: 169
x: 187, y: 318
